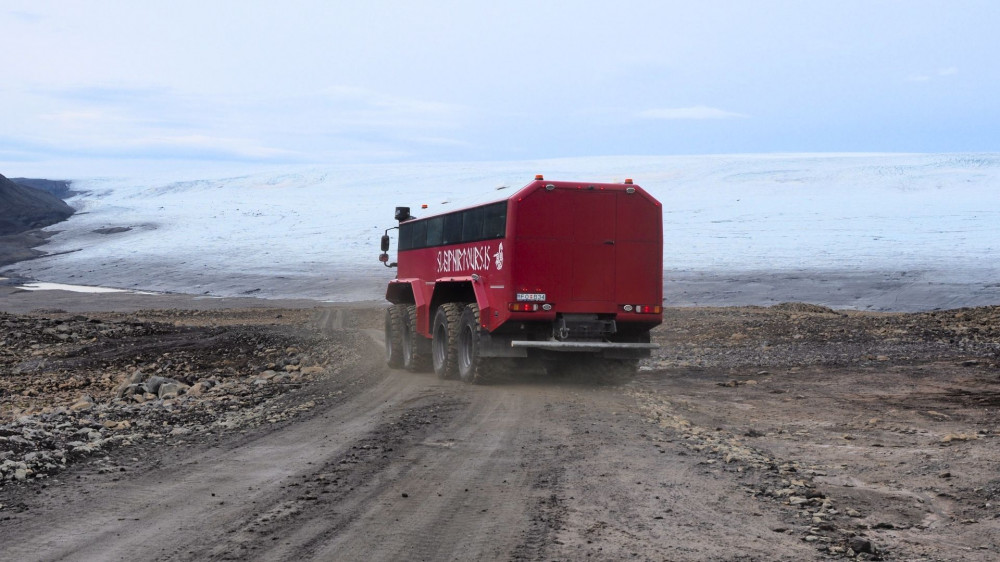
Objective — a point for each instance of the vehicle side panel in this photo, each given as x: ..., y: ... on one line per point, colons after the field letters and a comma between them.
x: 590, y: 248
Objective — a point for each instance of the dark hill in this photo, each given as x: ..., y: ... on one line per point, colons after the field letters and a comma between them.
x: 59, y: 188
x: 24, y: 208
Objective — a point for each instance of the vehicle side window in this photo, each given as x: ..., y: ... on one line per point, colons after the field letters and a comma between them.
x: 418, y: 236
x: 405, y: 237
x: 472, y: 225
x: 412, y: 235
x: 453, y: 228
x: 495, y: 223
x: 435, y: 228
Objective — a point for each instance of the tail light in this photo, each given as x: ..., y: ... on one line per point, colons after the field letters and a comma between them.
x: 529, y: 306
x: 642, y: 308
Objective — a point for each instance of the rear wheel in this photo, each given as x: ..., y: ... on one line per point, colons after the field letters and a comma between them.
x: 444, y: 345
x: 472, y: 367
x: 394, y: 336
x: 416, y: 348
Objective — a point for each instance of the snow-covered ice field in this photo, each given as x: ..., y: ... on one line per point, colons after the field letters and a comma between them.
x: 902, y: 232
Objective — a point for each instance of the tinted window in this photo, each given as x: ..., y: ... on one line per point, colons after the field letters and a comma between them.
x: 405, y: 237
x: 495, y: 221
x: 412, y: 235
x: 434, y: 231
x: 419, y: 237
x: 472, y: 225
x: 453, y: 228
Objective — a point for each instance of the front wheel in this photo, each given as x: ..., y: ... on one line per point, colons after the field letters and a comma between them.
x: 445, y: 341
x: 394, y: 336
x: 416, y: 348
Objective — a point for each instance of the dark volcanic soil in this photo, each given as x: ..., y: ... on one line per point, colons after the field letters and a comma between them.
x: 785, y: 433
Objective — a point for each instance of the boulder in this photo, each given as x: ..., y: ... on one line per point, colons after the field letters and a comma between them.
x: 136, y: 377
x: 85, y: 402
x: 152, y: 384
x: 171, y: 389
x: 861, y: 544
x: 200, y: 388
x: 127, y: 389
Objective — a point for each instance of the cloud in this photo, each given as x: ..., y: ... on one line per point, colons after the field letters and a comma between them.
x: 437, y: 141
x: 104, y: 95
x: 236, y: 148
x: 940, y: 73
x: 695, y: 112
x: 27, y: 17
x: 366, y: 109
x: 127, y: 121
x: 187, y: 147
x: 74, y: 117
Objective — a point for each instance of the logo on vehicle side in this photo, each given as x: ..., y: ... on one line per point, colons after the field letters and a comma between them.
x: 499, y: 257
x: 475, y: 258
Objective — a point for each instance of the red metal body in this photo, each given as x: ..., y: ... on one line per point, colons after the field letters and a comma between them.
x: 566, y: 248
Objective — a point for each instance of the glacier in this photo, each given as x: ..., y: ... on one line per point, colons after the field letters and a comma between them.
x: 866, y: 231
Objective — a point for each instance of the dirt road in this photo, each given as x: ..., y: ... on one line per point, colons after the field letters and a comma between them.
x: 791, y: 433
x: 397, y: 466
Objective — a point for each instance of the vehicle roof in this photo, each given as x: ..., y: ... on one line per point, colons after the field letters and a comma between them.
x: 504, y: 193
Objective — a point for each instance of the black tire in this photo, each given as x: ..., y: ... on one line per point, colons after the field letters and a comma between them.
x: 444, y: 345
x: 394, y: 336
x: 472, y: 367
x: 416, y: 348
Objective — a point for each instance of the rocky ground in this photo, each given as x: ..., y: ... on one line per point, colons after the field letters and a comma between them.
x: 876, y: 433
x: 783, y: 433
x: 76, y: 386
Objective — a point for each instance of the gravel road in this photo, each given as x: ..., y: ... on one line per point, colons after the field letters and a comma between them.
x: 784, y: 433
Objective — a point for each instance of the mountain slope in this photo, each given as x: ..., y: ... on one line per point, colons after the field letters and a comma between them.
x: 25, y: 208
x: 59, y: 188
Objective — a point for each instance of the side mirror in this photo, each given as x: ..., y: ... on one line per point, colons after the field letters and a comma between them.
x: 383, y: 258
x: 403, y: 214
x: 385, y: 242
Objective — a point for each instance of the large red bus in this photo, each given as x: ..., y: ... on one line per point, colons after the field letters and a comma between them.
x: 568, y: 273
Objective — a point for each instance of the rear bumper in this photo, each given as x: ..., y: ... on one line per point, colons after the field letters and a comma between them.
x: 584, y: 346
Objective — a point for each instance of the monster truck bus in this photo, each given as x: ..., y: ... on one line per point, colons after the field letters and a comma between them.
x: 567, y: 274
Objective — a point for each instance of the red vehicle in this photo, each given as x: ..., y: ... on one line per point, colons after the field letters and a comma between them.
x: 566, y: 273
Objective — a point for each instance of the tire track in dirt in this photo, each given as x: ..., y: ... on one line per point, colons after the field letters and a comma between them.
x: 469, y: 459
x: 467, y: 486
x: 393, y: 465
x: 163, y: 512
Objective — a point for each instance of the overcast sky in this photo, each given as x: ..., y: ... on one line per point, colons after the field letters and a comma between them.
x: 327, y: 81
